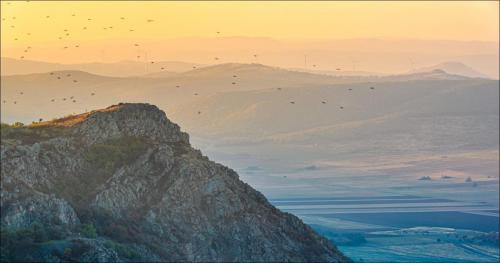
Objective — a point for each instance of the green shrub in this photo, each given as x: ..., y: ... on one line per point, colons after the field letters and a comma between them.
x: 108, y: 156
x: 88, y: 230
x: 122, y: 250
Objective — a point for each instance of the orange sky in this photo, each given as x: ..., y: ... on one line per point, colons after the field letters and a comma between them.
x: 25, y: 23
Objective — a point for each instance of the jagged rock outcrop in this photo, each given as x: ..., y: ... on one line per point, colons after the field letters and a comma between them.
x: 131, y: 174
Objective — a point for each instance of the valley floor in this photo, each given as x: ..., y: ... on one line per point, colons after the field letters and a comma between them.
x: 380, y: 210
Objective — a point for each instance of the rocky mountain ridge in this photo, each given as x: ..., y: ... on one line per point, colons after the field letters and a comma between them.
x: 124, y: 184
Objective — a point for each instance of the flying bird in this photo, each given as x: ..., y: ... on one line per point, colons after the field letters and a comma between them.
x: 92, y: 94
x: 341, y: 107
x: 324, y: 102
x: 292, y: 102
x: 372, y: 88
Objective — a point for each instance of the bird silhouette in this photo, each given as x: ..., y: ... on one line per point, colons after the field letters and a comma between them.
x: 292, y: 102
x: 372, y: 88
x: 92, y: 94
x: 341, y: 107
x: 324, y: 102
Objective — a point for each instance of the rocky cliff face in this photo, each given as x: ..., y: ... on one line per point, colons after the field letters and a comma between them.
x: 124, y: 184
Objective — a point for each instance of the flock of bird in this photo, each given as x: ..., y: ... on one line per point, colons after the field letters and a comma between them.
x: 66, y: 34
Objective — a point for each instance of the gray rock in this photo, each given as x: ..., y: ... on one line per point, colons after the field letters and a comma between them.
x: 166, y: 202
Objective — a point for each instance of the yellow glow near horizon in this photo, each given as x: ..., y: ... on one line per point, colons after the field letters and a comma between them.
x: 25, y: 23
x: 424, y: 20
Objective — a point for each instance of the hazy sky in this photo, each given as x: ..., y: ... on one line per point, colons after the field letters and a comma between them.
x: 48, y: 27
x: 426, y: 20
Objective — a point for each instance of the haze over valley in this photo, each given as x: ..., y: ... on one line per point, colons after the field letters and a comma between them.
x: 386, y: 144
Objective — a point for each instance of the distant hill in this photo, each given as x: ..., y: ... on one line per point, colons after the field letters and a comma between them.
x: 11, y: 66
x: 455, y: 68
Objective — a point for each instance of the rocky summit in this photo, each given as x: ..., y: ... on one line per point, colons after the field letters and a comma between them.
x: 124, y: 184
